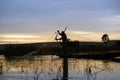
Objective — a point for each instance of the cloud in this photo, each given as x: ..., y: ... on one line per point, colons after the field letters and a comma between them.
x: 26, y: 38
x: 111, y: 23
x: 113, y: 20
x: 80, y: 32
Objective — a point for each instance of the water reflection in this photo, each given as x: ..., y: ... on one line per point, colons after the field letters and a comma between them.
x: 1, y: 68
x: 50, y: 68
x: 92, y: 69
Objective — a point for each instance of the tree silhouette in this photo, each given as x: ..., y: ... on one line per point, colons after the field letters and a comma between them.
x: 105, y: 38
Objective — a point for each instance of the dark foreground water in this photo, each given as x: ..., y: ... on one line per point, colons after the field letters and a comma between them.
x: 50, y: 68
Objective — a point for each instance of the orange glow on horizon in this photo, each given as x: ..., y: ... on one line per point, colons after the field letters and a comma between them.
x: 73, y: 35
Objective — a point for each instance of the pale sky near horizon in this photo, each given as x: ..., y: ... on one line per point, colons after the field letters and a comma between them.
x: 37, y: 20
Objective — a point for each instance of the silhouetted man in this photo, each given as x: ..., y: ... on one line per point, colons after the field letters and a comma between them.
x: 65, y: 60
x: 63, y: 37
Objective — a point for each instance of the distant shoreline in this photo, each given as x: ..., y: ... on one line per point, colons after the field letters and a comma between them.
x: 55, y: 48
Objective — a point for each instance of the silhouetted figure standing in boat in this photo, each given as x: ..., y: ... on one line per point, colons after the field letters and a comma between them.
x: 65, y: 60
x: 64, y: 41
x: 63, y: 37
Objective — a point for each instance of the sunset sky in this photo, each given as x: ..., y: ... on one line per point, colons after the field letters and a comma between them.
x: 38, y: 20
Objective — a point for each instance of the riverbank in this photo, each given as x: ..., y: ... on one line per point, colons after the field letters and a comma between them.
x: 74, y: 48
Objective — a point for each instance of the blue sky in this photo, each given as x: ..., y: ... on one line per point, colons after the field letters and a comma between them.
x: 44, y: 17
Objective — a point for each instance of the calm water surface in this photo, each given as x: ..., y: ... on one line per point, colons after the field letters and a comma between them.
x: 50, y: 68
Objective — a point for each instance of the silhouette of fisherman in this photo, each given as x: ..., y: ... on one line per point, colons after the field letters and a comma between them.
x: 65, y: 60
x: 64, y: 40
x: 63, y: 36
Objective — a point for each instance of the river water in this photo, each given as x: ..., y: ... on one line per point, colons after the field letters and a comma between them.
x: 51, y: 68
